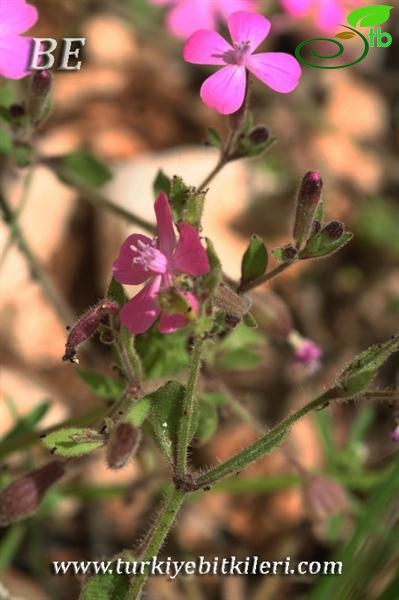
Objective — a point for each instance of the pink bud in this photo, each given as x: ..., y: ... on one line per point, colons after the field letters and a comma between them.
x: 22, y: 497
x: 122, y: 445
x: 87, y: 326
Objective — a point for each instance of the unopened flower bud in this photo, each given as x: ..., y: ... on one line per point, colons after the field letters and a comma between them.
x: 309, y: 195
x: 289, y: 252
x: 334, y: 230
x: 394, y: 435
x: 233, y: 304
x: 259, y: 135
x: 325, y: 499
x: 272, y: 314
x: 22, y: 497
x: 39, y: 95
x: 87, y: 326
x: 122, y: 445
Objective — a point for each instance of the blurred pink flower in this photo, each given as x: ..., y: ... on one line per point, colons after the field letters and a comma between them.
x: 395, y: 434
x: 326, y: 14
x: 225, y: 89
x: 155, y: 261
x: 16, y: 17
x: 306, y: 352
x: 187, y: 16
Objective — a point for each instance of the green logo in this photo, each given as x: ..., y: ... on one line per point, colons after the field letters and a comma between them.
x: 368, y: 16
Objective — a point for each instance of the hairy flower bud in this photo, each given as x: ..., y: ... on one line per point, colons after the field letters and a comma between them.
x: 333, y: 230
x: 233, y: 304
x: 39, y: 95
x: 22, y: 497
x: 87, y: 326
x: 122, y: 444
x: 309, y: 195
x: 259, y: 135
x: 272, y: 314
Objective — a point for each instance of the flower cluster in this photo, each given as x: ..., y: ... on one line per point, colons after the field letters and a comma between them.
x: 156, y: 262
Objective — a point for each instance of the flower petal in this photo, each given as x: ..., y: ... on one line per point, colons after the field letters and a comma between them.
x: 227, y: 7
x: 248, y: 27
x: 16, y: 16
x: 206, y: 48
x: 278, y: 70
x: 14, y: 56
x: 166, y: 233
x: 225, y: 89
x: 124, y: 269
x: 329, y: 15
x: 296, y: 8
x: 190, y: 256
x: 187, y: 16
x: 141, y: 311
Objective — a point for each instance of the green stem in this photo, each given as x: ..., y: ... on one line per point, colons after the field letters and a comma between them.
x: 56, y: 300
x: 156, y: 539
x: 189, y: 404
x: 265, y: 444
x: 266, y: 277
x: 130, y: 360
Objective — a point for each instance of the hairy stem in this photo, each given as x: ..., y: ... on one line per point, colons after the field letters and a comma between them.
x: 189, y: 404
x: 245, y: 287
x: 264, y: 444
x: 156, y: 539
x: 62, y: 310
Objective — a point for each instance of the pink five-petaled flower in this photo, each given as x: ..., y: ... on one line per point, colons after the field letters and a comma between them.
x: 16, y: 17
x: 225, y: 89
x: 326, y: 14
x: 156, y: 261
x: 187, y: 16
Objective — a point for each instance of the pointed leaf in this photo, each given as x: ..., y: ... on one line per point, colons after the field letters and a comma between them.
x: 254, y: 261
x: 166, y: 406
x: 83, y: 167
x: 161, y: 183
x: 360, y: 372
x: 116, y: 292
x: 318, y: 245
x: 369, y: 16
x: 73, y: 441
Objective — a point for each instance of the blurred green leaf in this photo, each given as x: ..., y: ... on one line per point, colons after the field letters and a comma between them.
x: 320, y: 245
x: 161, y: 183
x: 28, y: 421
x: 82, y: 166
x: 254, y: 261
x: 360, y: 372
x: 9, y: 545
x: 5, y: 142
x: 101, y: 385
x: 22, y: 155
x: 162, y: 355
x: 207, y: 421
x: 73, y: 441
x: 378, y: 223
x: 109, y: 586
x: 166, y: 406
x: 240, y: 349
x: 214, y: 138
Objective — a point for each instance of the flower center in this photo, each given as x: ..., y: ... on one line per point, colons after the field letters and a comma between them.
x: 238, y: 55
x: 149, y: 257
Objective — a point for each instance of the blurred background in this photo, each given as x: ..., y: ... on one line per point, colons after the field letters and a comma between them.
x: 135, y: 106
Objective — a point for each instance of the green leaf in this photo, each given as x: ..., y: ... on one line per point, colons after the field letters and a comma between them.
x: 108, y: 586
x: 254, y: 261
x: 249, y: 320
x: 166, y: 406
x: 161, y: 183
x: 360, y: 372
x: 116, y: 292
x: 139, y: 412
x: 10, y: 543
x: 214, y: 138
x: 240, y: 360
x: 369, y: 16
x: 5, y: 142
x: 83, y: 167
x: 28, y: 422
x: 22, y: 155
x: 101, y: 385
x: 73, y: 441
x: 162, y: 355
x: 186, y: 202
x: 319, y: 245
x: 278, y: 253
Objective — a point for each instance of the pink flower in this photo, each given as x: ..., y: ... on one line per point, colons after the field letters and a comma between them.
x: 326, y: 14
x: 16, y: 17
x: 306, y: 352
x: 394, y: 435
x: 187, y: 16
x: 225, y: 89
x: 156, y: 261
